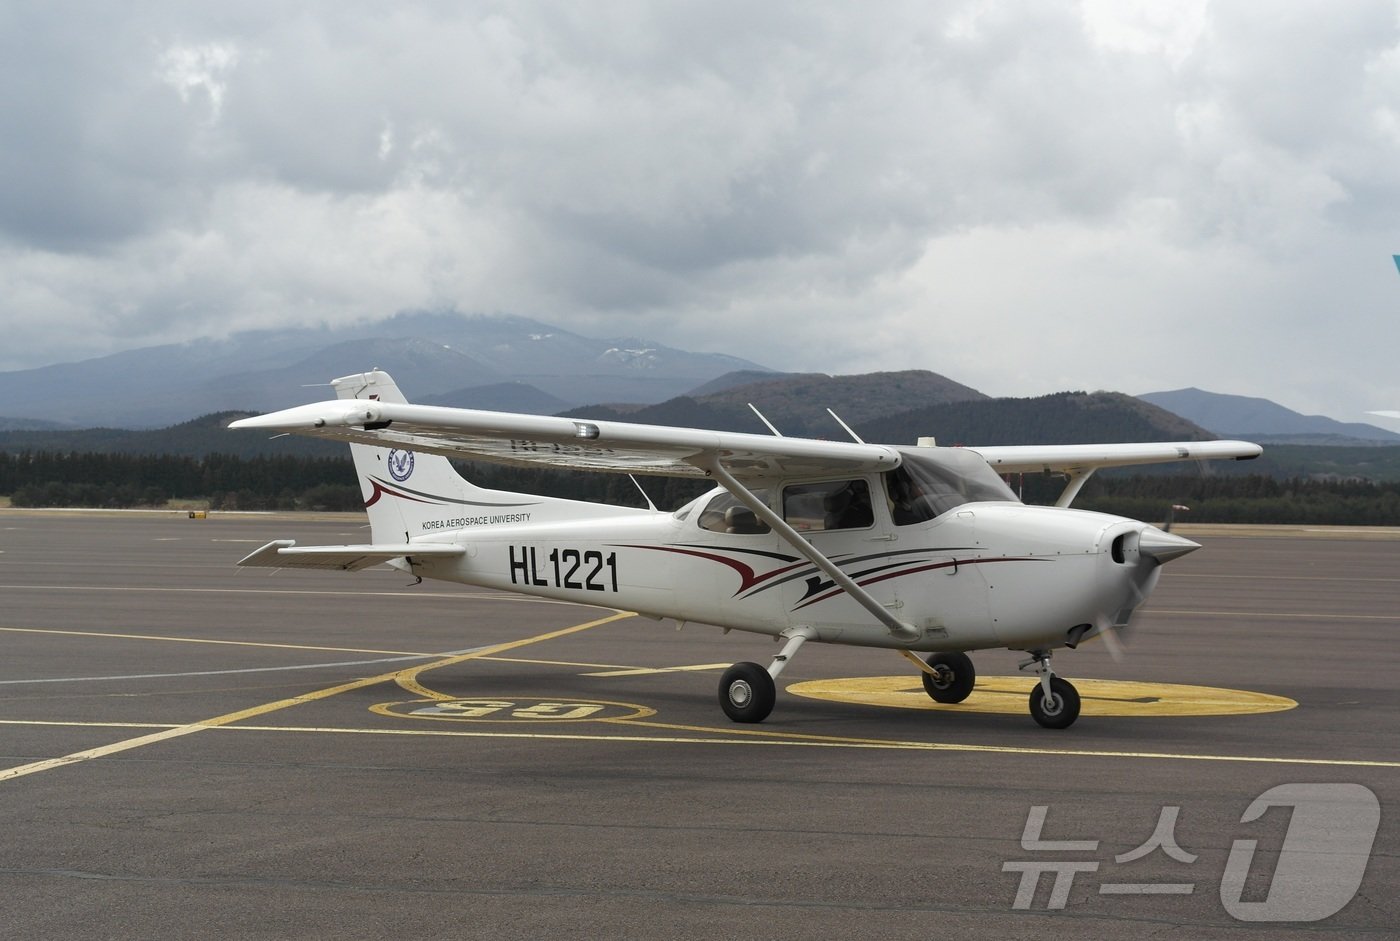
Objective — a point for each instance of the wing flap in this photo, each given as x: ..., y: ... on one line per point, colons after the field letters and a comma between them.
x: 1081, y: 457
x: 286, y: 554
x: 527, y: 440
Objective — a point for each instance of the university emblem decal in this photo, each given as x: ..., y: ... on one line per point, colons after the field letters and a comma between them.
x: 400, y: 465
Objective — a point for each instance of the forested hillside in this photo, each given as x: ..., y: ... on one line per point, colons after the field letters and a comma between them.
x: 796, y: 404
x: 202, y: 463
x: 225, y: 482
x: 208, y: 434
x: 1062, y: 418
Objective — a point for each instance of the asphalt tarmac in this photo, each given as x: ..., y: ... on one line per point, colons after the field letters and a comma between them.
x: 189, y: 748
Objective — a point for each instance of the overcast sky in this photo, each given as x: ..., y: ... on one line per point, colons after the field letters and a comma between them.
x: 1025, y: 197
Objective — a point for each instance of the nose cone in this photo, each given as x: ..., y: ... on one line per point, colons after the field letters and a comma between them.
x: 1162, y: 547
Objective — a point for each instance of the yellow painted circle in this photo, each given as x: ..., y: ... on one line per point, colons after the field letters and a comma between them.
x: 496, y: 709
x: 1009, y: 694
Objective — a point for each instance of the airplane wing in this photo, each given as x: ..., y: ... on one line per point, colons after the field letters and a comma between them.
x: 620, y: 447
x: 1077, y: 458
x: 286, y: 554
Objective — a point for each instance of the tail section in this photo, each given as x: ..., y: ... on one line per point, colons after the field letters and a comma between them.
x: 409, y: 493
x: 412, y: 493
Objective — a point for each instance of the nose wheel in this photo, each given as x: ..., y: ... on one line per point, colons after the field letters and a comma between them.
x: 1054, y: 701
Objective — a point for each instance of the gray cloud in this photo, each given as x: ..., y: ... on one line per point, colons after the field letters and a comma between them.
x: 1022, y: 196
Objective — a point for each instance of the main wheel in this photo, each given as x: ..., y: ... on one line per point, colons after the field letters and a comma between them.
x: 1061, y: 708
x: 747, y: 693
x: 954, y: 677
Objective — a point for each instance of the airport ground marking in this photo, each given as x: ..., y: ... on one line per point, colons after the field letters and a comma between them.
x: 408, y: 679
x: 1286, y: 615
x: 161, y: 589
x: 517, y: 710
x: 1007, y: 695
x: 174, y: 676
x: 1283, y: 578
x: 203, y: 640
x: 736, y: 736
x: 558, y: 663
x: 240, y: 715
x: 647, y: 671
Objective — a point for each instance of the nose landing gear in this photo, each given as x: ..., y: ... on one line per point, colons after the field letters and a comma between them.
x: 1054, y: 702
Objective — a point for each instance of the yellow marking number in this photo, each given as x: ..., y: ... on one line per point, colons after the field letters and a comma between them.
x: 508, y: 710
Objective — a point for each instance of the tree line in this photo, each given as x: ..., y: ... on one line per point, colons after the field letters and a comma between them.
x: 287, y: 482
x: 1253, y: 498
x: 222, y: 481
x: 230, y: 482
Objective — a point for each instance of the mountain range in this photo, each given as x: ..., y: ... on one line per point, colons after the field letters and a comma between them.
x: 510, y: 363
x: 1242, y: 416
x: 897, y: 408
x: 502, y: 362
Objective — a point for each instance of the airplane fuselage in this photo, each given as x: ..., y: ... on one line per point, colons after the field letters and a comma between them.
x: 984, y: 575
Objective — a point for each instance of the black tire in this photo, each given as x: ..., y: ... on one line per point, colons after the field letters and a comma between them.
x: 747, y: 693
x: 1060, y: 711
x: 955, y: 679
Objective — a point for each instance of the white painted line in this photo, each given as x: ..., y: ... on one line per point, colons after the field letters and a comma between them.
x: 163, y: 676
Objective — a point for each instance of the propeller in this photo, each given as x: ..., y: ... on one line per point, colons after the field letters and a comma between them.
x: 1156, y: 547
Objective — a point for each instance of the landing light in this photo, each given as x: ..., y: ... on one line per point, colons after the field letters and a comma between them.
x: 586, y: 430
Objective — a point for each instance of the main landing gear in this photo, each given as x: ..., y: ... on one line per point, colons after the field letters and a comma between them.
x: 747, y: 691
x: 949, y: 677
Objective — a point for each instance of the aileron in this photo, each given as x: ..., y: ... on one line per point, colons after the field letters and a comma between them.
x: 1030, y: 459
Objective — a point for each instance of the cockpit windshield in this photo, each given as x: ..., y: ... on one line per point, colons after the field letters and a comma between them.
x: 932, y: 481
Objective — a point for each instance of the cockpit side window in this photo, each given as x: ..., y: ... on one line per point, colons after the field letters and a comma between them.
x: 927, y: 485
x: 832, y: 504
x: 909, y: 503
x: 725, y: 514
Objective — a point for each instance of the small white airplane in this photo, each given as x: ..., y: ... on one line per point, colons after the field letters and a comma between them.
x: 906, y: 548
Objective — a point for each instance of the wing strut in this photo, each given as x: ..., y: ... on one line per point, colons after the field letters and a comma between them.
x: 900, y: 630
x: 1078, y: 477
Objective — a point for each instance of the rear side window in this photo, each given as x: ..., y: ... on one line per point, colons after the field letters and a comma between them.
x: 832, y: 504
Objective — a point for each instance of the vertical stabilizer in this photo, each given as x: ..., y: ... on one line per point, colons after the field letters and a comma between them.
x: 410, y: 493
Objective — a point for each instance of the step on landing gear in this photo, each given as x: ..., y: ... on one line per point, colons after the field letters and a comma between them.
x: 747, y: 691
x: 1054, y: 702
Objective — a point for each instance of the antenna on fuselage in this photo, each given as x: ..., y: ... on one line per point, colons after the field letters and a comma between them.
x: 764, y: 420
x: 637, y: 484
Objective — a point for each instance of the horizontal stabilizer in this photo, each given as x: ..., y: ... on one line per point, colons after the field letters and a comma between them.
x: 286, y: 554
